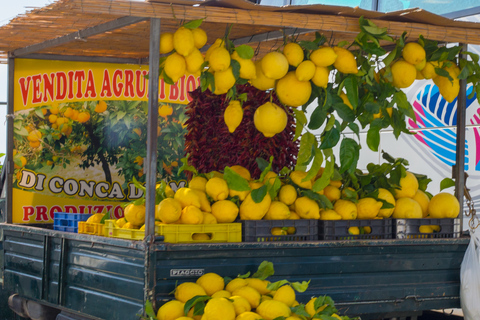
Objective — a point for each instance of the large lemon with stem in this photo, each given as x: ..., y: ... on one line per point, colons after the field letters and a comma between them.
x: 270, y: 119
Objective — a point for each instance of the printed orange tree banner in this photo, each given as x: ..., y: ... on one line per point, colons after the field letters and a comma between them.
x: 80, y: 136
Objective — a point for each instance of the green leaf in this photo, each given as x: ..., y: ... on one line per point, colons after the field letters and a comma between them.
x: 354, y: 127
x: 305, y: 151
x: 301, y: 121
x: 349, y: 155
x: 266, y: 169
x: 317, y: 118
x: 300, y: 311
x: 447, y: 183
x: 244, y: 276
x: 344, y: 112
x: 265, y: 270
x: 391, y: 56
x: 39, y: 113
x: 309, y: 45
x: 330, y: 139
x: 376, y: 31
x: 234, y: 180
x: 105, y: 217
x: 300, y: 287
x: 330, y: 123
x: 373, y: 138
x: 193, y: 25
x: 149, y: 311
x: 351, y: 85
x: 235, y: 68
x: 193, y: 301
x: 324, y: 180
x: 316, y: 165
x: 259, y: 194
x: 245, y: 51
x: 274, y: 286
x: 186, y: 167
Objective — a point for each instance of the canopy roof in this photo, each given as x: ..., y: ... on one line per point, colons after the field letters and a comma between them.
x: 120, y: 28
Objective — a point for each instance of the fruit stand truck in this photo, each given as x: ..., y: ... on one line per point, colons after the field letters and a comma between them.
x: 66, y: 57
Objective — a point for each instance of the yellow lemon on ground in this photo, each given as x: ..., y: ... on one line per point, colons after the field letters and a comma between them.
x: 403, y: 74
x: 386, y: 195
x: 305, y: 70
x: 247, y: 67
x: 183, y: 41
x: 219, y: 59
x: 187, y: 290
x: 261, y: 82
x: 249, y: 293
x: 187, y: 197
x: 224, y: 80
x: 443, y: 205
x: 250, y: 210
x: 294, y: 53
x: 166, y: 42
x: 175, y: 66
x: 307, y: 208
x: 298, y: 177
x: 211, y: 283
x: 423, y: 200
x: 171, y: 310
x: 368, y: 208
x: 198, y: 183
x: 293, y: 92
x: 194, y: 61
x: 345, y: 62
x: 248, y: 316
x: 287, y: 194
x: 240, y: 304
x: 271, y: 309
x: 191, y: 215
x: 204, y: 203
x: 270, y: 119
x: 219, y: 309
x: 135, y: 214
x: 274, y: 65
x: 233, y: 115
x: 258, y: 284
x: 277, y: 211
x: 242, y: 171
x: 346, y: 209
x: 408, y: 186
x: 225, y: 211
x: 320, y: 77
x: 323, y: 57
x: 413, y: 53
x: 168, y: 210
x: 407, y: 208
x: 209, y: 218
x: 221, y: 294
x: 217, y: 188
x: 285, y: 294
x: 332, y: 193
x: 235, y: 284
x: 329, y: 214
x: 199, y: 37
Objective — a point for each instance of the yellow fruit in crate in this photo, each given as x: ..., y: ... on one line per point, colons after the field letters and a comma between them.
x: 320, y: 77
x: 199, y: 37
x: 403, y: 74
x: 271, y: 309
x: 135, y: 214
x: 209, y: 218
x: 169, y: 191
x: 386, y: 195
x: 249, y: 293
x: 175, y: 66
x: 270, y: 119
x: 261, y: 82
x: 217, y: 189
x: 219, y: 59
x: 242, y: 171
x: 287, y: 194
x: 345, y: 61
x: 219, y: 309
x: 443, y: 205
x: 310, y: 307
x: 187, y: 197
x: 305, y: 70
x: 425, y: 229
x: 346, y: 209
x: 211, y: 283
x: 408, y: 186
x: 198, y: 183
x: 298, y: 177
x: 221, y: 294
x: 185, y: 318
x: 96, y: 218
x: 413, y: 53
x: 277, y: 211
x: 274, y: 65
x: 307, y: 208
x: 329, y: 214
x: 332, y: 193
x: 247, y: 67
x: 407, y: 208
x: 285, y: 294
x: 293, y: 92
x: 423, y: 200
x: 129, y: 225
x: 119, y: 223
x: 194, y: 61
x: 258, y: 284
x: 166, y: 42
x: 368, y: 208
x: 168, y: 210
x: 187, y: 290
x: 191, y: 215
x: 224, y: 80
x: 276, y: 231
x: 225, y: 211
x: 294, y: 53
x: 323, y: 56
x: 240, y: 304
x: 171, y: 310
x: 204, y: 203
x: 248, y: 316
x: 354, y: 230
x: 250, y: 210
x: 233, y: 115
x: 183, y: 41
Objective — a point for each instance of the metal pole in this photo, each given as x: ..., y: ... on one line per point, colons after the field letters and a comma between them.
x: 9, y: 159
x: 152, y: 123
x: 459, y: 169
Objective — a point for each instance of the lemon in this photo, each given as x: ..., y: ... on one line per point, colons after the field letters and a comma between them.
x: 247, y: 67
x: 423, y: 200
x: 277, y: 211
x: 240, y: 194
x: 129, y: 225
x: 293, y: 92
x: 166, y: 42
x: 171, y: 310
x: 119, y: 222
x: 233, y: 115
x: 408, y: 186
x: 250, y: 210
x: 219, y: 59
x: 183, y: 41
x: 240, y: 304
x: 448, y: 89
x: 224, y: 80
x: 419, y: 66
x: 198, y: 183
x: 277, y: 231
x: 298, y: 176
x: 135, y: 214
x: 305, y: 70
x: 242, y: 171
x: 307, y: 208
x: 97, y: 217
x: 345, y: 62
x: 209, y: 218
x: 201, y: 236
x: 218, y: 43
x: 191, y: 215
x: 199, y: 37
x: 345, y: 100
x: 221, y: 294
x: 336, y: 183
x: 187, y: 197
x: 310, y: 307
x: 261, y: 82
x: 425, y: 229
x: 219, y: 309
x: 248, y: 316
x: 354, y: 230
x: 258, y: 284
x: 443, y: 205
x: 294, y: 53
x: 101, y: 107
x: 386, y: 195
x: 194, y: 61
x: 187, y: 290
x: 175, y: 66
x: 368, y: 208
x: 249, y: 293
x: 329, y: 214
x: 285, y: 294
x: 211, y: 283
x: 346, y: 209
x: 407, y: 208
x: 169, y: 191
x: 403, y: 74
x: 168, y: 210
x: 332, y: 193
x: 287, y: 194
x: 428, y: 71
x: 34, y: 136
x: 323, y: 57
x: 225, y: 211
x: 274, y: 65
x: 217, y: 189
x: 271, y: 309
x: 413, y: 53
x: 320, y: 77
x: 235, y: 284
x: 204, y: 203
x: 270, y: 119
x: 270, y: 177
x: 336, y: 316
